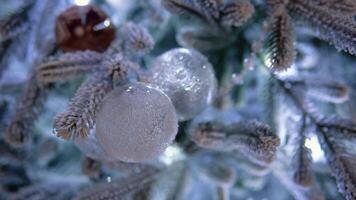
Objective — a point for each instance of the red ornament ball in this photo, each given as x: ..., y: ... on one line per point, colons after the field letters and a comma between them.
x: 84, y: 28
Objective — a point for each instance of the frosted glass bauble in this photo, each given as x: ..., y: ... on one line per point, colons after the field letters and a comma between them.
x: 136, y: 123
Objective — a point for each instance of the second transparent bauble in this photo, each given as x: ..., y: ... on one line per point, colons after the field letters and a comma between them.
x: 187, y: 77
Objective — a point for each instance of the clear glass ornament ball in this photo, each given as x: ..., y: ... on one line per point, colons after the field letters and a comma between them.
x: 187, y: 77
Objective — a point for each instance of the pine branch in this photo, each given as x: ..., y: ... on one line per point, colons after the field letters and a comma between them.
x: 210, y: 135
x: 299, y: 193
x: 116, y: 67
x: 210, y: 8
x: 341, y: 162
x: 68, y: 65
x: 45, y: 191
x: 280, y: 41
x: 274, y: 4
x: 90, y: 167
x: 13, y: 174
x: 180, y: 7
x: 339, y: 31
x: 236, y: 13
x: 80, y: 116
x: 16, y: 22
x: 121, y: 188
x: 137, y: 39
x: 342, y: 8
x: 252, y: 167
x: 215, y: 168
x: 185, y: 6
x: 338, y: 127
x: 255, y: 140
x: 302, y: 161
x: 329, y: 91
x: 203, y: 38
x: 323, y: 89
x: 269, y: 102
x: 4, y: 52
x: 28, y: 109
x: 251, y: 138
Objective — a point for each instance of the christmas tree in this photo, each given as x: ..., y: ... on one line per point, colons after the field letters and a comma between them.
x: 178, y: 99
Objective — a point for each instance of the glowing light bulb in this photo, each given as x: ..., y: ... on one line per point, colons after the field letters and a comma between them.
x: 172, y: 154
x: 81, y: 2
x: 313, y: 144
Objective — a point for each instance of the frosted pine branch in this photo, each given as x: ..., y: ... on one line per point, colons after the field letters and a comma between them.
x: 338, y: 127
x: 339, y: 31
x: 342, y: 8
x: 214, y: 12
x: 280, y: 41
x: 299, y: 193
x: 341, y: 162
x: 210, y: 135
x: 45, y: 191
x: 27, y: 111
x: 274, y: 4
x: 182, y: 7
x: 116, y: 67
x: 329, y: 91
x: 253, y: 139
x: 339, y: 158
x: 121, y: 188
x: 236, y: 13
x: 210, y: 8
x: 80, y: 116
x: 323, y: 89
x: 90, y: 167
x: 302, y: 161
x: 303, y: 174
x: 16, y: 22
x: 5, y: 50
x: 67, y: 65
x: 137, y: 39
